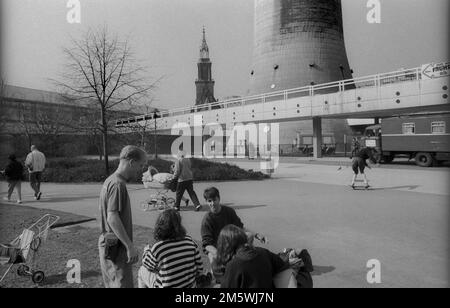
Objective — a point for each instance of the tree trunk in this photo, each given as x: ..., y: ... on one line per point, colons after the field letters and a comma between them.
x: 30, y: 142
x: 105, y: 141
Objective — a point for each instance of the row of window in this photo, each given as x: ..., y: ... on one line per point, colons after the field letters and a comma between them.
x: 436, y: 128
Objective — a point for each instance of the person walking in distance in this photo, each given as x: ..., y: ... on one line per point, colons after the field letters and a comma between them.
x: 14, y: 176
x: 35, y: 162
x: 183, y: 172
x: 116, y: 249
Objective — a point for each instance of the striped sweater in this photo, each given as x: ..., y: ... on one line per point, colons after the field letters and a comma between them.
x: 176, y: 263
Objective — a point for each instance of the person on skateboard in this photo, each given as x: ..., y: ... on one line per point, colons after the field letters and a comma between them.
x: 360, y: 163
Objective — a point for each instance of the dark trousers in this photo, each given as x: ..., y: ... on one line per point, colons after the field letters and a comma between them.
x: 35, y: 182
x: 18, y: 186
x: 181, y: 188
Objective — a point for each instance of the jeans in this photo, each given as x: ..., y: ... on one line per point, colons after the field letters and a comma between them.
x: 18, y: 186
x: 117, y: 274
x: 35, y: 182
x: 183, y: 186
x: 146, y: 279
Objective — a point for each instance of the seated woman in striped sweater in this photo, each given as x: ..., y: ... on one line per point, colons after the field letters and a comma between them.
x: 174, y: 261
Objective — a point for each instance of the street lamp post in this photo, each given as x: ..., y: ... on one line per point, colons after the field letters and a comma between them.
x: 155, y: 116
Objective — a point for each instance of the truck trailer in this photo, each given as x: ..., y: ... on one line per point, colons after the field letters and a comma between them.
x: 422, y: 137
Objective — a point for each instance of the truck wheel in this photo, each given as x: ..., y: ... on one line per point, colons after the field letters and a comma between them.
x: 424, y: 160
x: 387, y: 159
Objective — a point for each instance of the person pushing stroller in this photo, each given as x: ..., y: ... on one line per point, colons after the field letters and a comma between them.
x: 169, y: 181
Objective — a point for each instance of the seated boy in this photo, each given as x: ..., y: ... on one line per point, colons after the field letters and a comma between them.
x: 218, y: 217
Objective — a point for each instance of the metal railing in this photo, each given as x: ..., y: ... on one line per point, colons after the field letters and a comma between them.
x: 326, y: 88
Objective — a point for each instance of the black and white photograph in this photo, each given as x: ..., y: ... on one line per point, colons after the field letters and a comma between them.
x: 224, y: 149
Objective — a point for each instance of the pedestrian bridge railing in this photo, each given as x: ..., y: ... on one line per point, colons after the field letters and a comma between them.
x: 395, y: 90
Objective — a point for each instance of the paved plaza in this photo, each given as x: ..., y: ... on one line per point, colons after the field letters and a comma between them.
x: 402, y: 221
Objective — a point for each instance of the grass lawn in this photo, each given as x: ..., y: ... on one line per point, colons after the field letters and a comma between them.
x: 78, y: 241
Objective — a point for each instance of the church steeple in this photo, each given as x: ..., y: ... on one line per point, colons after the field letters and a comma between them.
x: 204, y: 82
x: 204, y: 50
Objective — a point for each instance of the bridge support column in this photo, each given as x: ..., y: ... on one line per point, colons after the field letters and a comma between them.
x: 317, y: 137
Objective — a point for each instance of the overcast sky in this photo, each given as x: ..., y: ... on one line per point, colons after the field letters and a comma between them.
x: 166, y: 35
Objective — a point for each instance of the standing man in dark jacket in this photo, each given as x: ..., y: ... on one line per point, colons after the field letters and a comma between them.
x: 14, y: 175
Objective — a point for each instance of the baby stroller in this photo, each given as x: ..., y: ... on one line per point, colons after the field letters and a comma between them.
x: 162, y: 185
x: 23, y: 250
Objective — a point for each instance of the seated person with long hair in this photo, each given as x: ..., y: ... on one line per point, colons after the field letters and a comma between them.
x: 243, y: 265
x: 174, y: 261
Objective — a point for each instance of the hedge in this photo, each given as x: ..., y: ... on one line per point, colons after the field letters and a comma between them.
x: 77, y: 170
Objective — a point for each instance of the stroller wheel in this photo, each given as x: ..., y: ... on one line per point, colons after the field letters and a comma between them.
x: 38, y: 277
x: 170, y: 202
x: 23, y: 270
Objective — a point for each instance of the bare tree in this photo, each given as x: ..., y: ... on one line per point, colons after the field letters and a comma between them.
x: 26, y: 125
x: 3, y: 115
x: 102, y: 73
x: 52, y: 123
x: 143, y: 124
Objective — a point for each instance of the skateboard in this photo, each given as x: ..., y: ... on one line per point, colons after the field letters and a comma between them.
x: 354, y: 187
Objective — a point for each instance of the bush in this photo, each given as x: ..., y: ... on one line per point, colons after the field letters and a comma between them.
x: 76, y: 170
x: 205, y: 170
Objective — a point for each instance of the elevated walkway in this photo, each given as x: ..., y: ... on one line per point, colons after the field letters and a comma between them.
x: 406, y: 91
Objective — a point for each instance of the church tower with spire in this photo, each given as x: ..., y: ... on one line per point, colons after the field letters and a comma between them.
x: 204, y: 82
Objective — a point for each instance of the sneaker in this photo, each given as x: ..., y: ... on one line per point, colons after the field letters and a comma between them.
x: 198, y: 207
x: 6, y: 199
x: 177, y: 208
x: 38, y: 197
x: 19, y: 201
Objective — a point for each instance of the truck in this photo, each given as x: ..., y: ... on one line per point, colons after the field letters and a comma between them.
x: 422, y: 137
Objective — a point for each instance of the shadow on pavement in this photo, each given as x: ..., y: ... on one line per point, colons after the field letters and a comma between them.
x: 320, y: 270
x: 67, y: 199
x: 205, y: 208
x: 409, y: 187
x: 62, y: 278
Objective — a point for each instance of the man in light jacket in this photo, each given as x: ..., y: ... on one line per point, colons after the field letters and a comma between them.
x: 183, y: 172
x: 35, y: 162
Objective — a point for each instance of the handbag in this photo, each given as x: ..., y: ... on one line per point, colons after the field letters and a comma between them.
x: 112, y: 245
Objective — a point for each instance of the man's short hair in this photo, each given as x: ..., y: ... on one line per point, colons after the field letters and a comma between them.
x: 33, y: 147
x: 211, y: 193
x: 131, y: 152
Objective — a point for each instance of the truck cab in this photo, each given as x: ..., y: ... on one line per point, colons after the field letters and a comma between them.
x: 373, y: 139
